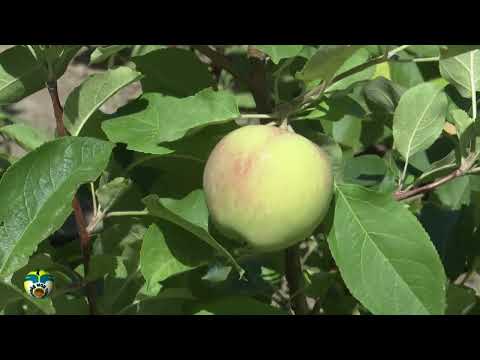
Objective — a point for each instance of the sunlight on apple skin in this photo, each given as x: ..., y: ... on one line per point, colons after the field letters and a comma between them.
x: 267, y: 187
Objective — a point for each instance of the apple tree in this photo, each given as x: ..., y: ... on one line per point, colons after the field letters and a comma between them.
x: 244, y: 179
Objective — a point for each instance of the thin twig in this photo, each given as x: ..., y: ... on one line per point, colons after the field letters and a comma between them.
x: 127, y: 213
x: 402, y: 195
x: 79, y: 217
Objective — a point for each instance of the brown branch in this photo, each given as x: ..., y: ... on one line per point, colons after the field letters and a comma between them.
x: 402, y: 195
x: 258, y: 81
x: 220, y: 60
x: 79, y: 217
x: 294, y: 275
x: 57, y: 108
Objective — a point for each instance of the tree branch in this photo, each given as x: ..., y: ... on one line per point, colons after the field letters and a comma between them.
x: 219, y: 60
x: 79, y: 217
x: 256, y: 82
x: 402, y: 195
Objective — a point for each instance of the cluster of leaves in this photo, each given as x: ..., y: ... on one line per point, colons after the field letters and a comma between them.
x: 399, y: 123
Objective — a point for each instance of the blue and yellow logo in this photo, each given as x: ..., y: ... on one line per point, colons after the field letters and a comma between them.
x: 38, y: 284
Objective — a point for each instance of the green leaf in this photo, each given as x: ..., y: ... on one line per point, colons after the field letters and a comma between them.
x: 347, y: 131
x: 460, y: 300
x: 9, y: 293
x: 120, y: 290
x: 92, y: 93
x: 36, y: 193
x: 419, y: 119
x: 109, y: 193
x: 154, y: 119
x: 390, y: 181
x: 438, y: 168
x: 22, y: 75
x: 165, y: 303
x: 173, y: 72
x: 464, y: 125
x: 236, y: 305
x: 326, y: 62
x: 70, y: 305
x: 27, y: 136
x: 463, y: 72
x: 279, y: 52
x: 455, y: 193
x: 100, y: 54
x: 163, y: 256
x: 452, y: 233
x: 364, y: 170
x: 140, y: 50
x: 381, y: 248
x: 360, y: 57
x: 101, y: 265
x: 405, y: 74
x: 333, y: 150
x: 448, y: 51
x: 425, y: 50
x: 382, y: 95
x: 191, y: 214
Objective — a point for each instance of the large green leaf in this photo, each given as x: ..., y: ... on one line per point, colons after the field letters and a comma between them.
x: 92, y: 93
x: 381, y: 248
x: 455, y: 193
x: 27, y: 136
x: 36, y: 194
x: 382, y: 95
x: 22, y: 75
x: 173, y: 72
x: 191, y: 214
x: 419, y: 118
x: 166, y: 252
x: 452, y: 233
x: 406, y: 74
x: 360, y: 57
x: 364, y: 170
x: 10, y: 293
x: 279, y: 52
x: 463, y: 72
x: 326, y: 62
x: 153, y: 119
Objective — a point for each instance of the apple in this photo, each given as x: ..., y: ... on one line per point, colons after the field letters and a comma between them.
x: 267, y: 187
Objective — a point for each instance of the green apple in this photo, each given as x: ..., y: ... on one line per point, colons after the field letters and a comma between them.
x: 267, y: 187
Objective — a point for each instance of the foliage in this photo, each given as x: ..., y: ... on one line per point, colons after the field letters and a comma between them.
x: 398, y: 122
